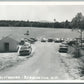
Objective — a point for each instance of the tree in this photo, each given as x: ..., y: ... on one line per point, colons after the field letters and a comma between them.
x: 77, y: 20
x: 66, y: 25
x: 78, y: 23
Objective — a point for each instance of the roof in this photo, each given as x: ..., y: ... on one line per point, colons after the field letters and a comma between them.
x: 14, y: 37
x: 7, y: 37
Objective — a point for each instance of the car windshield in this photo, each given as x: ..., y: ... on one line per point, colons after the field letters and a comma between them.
x: 27, y: 44
x: 24, y: 48
x: 63, y: 48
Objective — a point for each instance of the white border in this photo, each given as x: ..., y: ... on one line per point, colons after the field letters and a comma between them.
x: 41, y: 3
x: 41, y: 81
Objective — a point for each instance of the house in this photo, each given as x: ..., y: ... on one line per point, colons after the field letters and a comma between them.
x: 8, y: 44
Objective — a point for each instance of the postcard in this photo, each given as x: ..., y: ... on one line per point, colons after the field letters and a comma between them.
x: 42, y: 40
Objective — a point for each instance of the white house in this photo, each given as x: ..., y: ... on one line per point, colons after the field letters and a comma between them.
x: 8, y: 44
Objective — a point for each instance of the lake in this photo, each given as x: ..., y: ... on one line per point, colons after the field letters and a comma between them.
x: 18, y: 32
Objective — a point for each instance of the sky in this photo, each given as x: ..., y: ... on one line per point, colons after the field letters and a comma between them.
x: 40, y: 12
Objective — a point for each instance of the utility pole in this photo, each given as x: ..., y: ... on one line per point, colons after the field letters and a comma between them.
x: 81, y: 36
x: 54, y: 23
x: 81, y: 31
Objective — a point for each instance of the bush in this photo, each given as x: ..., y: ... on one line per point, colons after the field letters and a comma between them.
x: 77, y: 53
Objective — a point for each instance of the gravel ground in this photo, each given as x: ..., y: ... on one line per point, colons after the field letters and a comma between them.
x: 72, y: 65
x: 12, y: 58
x: 37, y: 65
x: 9, y: 59
x: 45, y: 64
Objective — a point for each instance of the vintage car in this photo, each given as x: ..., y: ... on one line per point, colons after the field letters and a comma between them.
x: 58, y: 40
x: 43, y: 40
x: 25, y: 49
x: 63, y: 49
x: 50, y: 40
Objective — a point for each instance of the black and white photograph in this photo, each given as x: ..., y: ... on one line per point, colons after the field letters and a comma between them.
x: 42, y: 41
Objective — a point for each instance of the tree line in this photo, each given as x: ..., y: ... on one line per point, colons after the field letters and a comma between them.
x: 14, y: 23
x: 76, y: 22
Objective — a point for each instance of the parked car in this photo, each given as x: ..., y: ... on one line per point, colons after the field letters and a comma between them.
x: 31, y: 41
x: 81, y: 46
x: 58, y: 40
x: 34, y: 39
x: 43, y: 40
x: 61, y: 39
x: 22, y: 42
x: 63, y: 45
x: 50, y: 40
x: 27, y: 44
x: 70, y: 43
x: 25, y: 39
x: 63, y: 49
x: 25, y: 50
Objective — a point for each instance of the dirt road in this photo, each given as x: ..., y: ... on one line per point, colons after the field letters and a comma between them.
x: 45, y: 64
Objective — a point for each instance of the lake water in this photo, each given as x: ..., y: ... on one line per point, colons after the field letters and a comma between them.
x: 18, y: 32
